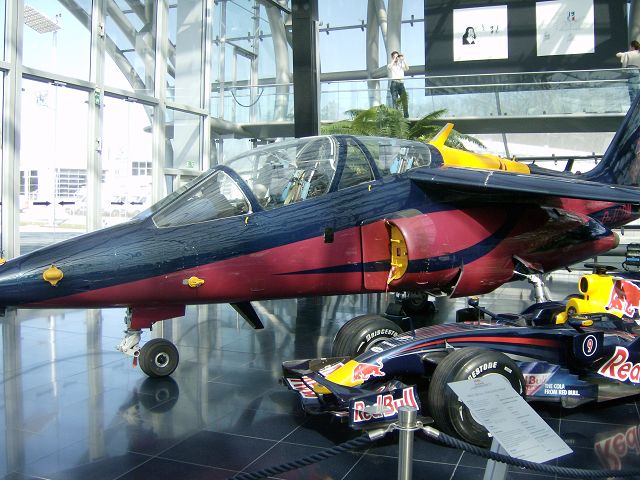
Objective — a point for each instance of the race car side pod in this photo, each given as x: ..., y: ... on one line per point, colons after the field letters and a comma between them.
x: 540, y: 467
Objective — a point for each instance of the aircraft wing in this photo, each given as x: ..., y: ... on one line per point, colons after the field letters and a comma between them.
x: 496, y: 181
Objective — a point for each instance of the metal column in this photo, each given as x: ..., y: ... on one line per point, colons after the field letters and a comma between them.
x: 634, y: 20
x: 306, y: 76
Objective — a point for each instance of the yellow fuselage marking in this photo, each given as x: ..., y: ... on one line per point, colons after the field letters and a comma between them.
x: 460, y: 158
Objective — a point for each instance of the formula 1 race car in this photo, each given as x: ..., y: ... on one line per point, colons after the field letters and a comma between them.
x: 585, y: 348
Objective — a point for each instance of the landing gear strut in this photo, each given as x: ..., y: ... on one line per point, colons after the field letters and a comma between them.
x: 157, y: 358
x: 130, y: 344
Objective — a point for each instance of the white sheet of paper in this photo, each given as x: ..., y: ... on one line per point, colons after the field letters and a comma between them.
x: 510, y: 419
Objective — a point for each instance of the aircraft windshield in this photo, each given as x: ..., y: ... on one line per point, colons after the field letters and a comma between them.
x: 396, y: 156
x: 288, y: 172
x: 215, y: 196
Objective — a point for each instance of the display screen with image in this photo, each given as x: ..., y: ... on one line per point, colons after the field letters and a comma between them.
x: 564, y: 27
x: 480, y: 33
x: 510, y: 36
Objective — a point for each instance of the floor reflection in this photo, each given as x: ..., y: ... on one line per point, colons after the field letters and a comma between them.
x: 74, y: 407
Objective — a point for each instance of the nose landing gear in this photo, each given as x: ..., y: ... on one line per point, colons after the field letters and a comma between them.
x: 157, y: 358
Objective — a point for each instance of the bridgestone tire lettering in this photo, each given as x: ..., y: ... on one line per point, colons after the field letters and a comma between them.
x: 361, y: 333
x: 385, y: 332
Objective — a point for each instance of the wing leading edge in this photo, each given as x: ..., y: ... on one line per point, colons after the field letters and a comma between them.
x: 495, y: 181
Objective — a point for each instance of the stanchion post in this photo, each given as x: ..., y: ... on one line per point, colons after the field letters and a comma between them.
x: 406, y: 425
x: 496, y: 470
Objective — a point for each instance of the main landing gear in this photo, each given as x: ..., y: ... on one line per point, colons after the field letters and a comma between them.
x: 363, y: 333
x: 157, y: 358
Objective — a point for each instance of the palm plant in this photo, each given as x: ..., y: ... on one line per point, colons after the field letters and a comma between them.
x: 383, y: 121
x: 425, y: 129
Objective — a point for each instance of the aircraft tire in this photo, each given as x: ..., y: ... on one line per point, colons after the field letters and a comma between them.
x: 158, y: 358
x: 361, y: 333
x: 159, y: 394
x: 418, y: 303
x: 451, y: 416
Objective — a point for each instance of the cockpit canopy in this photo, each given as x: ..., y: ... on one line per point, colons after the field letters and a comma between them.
x: 288, y: 172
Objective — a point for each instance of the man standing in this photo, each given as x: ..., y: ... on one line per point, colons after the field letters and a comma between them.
x: 631, y: 60
x: 396, y: 69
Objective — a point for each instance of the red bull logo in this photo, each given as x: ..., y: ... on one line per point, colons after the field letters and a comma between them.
x: 536, y: 375
x: 535, y: 381
x: 364, y: 371
x: 624, y: 298
x: 618, y: 368
x: 613, y: 449
x: 385, y: 406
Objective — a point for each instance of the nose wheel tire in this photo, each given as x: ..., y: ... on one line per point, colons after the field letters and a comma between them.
x: 158, y: 357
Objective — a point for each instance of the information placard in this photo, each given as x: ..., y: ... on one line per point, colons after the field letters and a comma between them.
x: 510, y: 419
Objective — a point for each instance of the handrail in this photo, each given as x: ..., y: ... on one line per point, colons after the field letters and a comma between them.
x: 589, y: 98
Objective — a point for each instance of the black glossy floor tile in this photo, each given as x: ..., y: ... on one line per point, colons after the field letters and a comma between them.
x: 337, y: 467
x: 72, y: 407
x: 162, y: 469
x: 322, y: 431
x: 220, y: 450
x: 80, y: 467
x: 372, y: 466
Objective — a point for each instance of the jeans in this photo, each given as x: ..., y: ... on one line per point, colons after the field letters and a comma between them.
x: 633, y: 83
x: 399, y: 95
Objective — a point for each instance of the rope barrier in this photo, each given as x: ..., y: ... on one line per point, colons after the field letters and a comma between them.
x: 539, y: 467
x: 443, y: 439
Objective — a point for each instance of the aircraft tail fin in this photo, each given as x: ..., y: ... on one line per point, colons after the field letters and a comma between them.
x: 620, y: 164
x: 442, y: 135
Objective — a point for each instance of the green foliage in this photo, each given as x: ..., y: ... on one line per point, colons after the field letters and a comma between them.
x: 336, y: 128
x: 382, y: 121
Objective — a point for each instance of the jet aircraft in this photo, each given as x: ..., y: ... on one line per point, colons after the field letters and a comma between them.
x: 333, y: 215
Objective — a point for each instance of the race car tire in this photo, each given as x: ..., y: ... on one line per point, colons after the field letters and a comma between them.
x: 360, y: 334
x: 158, y: 357
x: 450, y: 415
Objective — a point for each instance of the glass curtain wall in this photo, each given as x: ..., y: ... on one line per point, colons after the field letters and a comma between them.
x: 184, y: 140
x: 114, y: 96
x: 185, y: 56
x: 131, y: 45
x: 252, y: 61
x: 53, y: 163
x: 126, y: 160
x: 359, y: 37
x: 251, y: 67
x: 3, y: 81
x: 3, y: 16
x: 53, y: 29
